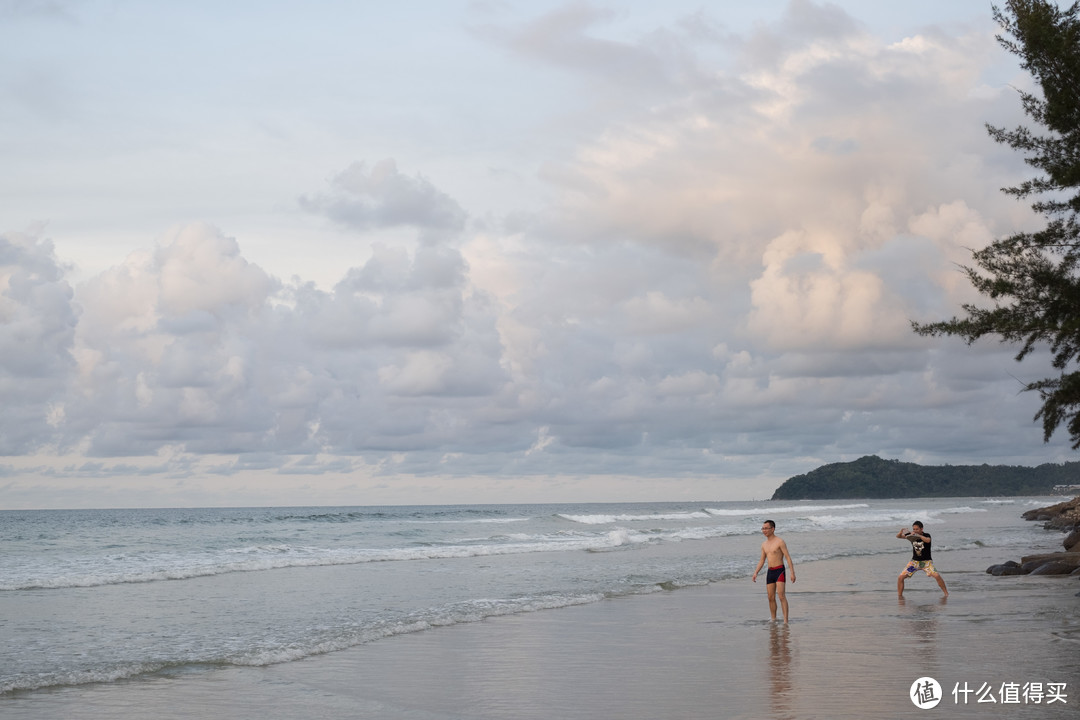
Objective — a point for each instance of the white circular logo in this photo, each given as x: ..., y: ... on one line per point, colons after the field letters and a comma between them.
x: 925, y: 693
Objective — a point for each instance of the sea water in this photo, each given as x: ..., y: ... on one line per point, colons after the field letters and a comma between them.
x: 97, y: 596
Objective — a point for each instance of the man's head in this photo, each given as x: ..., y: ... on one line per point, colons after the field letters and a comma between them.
x: 916, y: 526
x: 768, y: 527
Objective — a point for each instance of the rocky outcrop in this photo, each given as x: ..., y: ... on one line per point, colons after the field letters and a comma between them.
x: 1063, y: 516
x: 1066, y: 563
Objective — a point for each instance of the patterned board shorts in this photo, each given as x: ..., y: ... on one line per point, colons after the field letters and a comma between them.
x: 915, y: 565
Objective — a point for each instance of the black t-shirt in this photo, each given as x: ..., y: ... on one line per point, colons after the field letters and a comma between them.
x: 921, y: 550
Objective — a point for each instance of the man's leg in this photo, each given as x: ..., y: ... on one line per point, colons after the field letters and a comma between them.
x: 781, y: 589
x: 940, y: 582
x: 900, y: 583
x: 771, y: 590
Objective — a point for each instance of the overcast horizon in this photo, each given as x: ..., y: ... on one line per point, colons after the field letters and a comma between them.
x: 461, y: 252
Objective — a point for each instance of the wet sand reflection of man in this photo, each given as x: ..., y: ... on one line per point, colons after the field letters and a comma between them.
x: 780, y: 697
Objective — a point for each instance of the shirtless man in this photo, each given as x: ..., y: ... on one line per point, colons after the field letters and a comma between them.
x: 774, y: 550
x: 920, y: 557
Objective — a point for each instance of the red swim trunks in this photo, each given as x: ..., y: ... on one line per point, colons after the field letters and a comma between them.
x: 775, y: 575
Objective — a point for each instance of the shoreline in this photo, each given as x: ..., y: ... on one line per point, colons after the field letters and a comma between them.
x: 689, y: 654
x: 672, y: 651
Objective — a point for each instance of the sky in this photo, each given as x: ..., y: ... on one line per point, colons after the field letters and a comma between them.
x: 359, y: 253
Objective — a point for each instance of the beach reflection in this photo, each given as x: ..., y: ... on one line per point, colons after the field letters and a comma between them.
x: 923, y: 623
x: 781, y: 700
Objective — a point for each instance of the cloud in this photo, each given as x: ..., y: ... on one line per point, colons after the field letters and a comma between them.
x: 801, y: 301
x: 37, y: 329
x: 192, y: 345
x: 383, y: 198
x: 201, y: 271
x: 562, y: 37
x: 817, y: 166
x: 798, y: 206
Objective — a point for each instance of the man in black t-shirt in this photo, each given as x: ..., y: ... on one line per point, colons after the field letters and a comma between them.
x: 920, y: 557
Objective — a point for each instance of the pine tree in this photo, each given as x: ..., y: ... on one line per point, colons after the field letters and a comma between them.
x: 1032, y: 278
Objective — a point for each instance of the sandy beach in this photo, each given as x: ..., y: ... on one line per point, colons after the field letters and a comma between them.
x: 852, y: 650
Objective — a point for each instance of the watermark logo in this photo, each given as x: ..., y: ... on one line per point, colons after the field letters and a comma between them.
x: 925, y: 693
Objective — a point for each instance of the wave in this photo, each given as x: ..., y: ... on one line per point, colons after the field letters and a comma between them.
x: 460, y: 613
x: 342, y: 638
x: 38, y: 681
x: 884, y: 517
x: 705, y: 513
x: 781, y: 509
x: 331, y: 641
x: 609, y: 519
x: 425, y: 516
x: 478, y: 521
x: 276, y: 557
x: 264, y: 557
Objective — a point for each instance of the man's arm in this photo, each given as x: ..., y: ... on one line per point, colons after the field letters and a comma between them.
x: 911, y: 536
x: 759, y: 564
x: 787, y: 556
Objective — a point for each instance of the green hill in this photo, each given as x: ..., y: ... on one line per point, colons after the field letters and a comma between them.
x: 872, y: 477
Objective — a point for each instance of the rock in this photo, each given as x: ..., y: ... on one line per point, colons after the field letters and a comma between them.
x: 1071, y: 558
x: 1064, y: 515
x: 1075, y: 572
x: 999, y: 570
x: 1009, y: 567
x: 1032, y: 565
x: 1053, y: 568
x: 1072, y: 541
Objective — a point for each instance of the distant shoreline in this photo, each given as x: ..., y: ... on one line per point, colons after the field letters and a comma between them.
x: 874, y: 478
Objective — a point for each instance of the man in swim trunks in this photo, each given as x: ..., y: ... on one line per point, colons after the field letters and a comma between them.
x: 920, y: 557
x: 774, y: 551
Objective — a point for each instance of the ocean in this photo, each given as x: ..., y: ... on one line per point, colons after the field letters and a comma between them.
x: 93, y: 598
